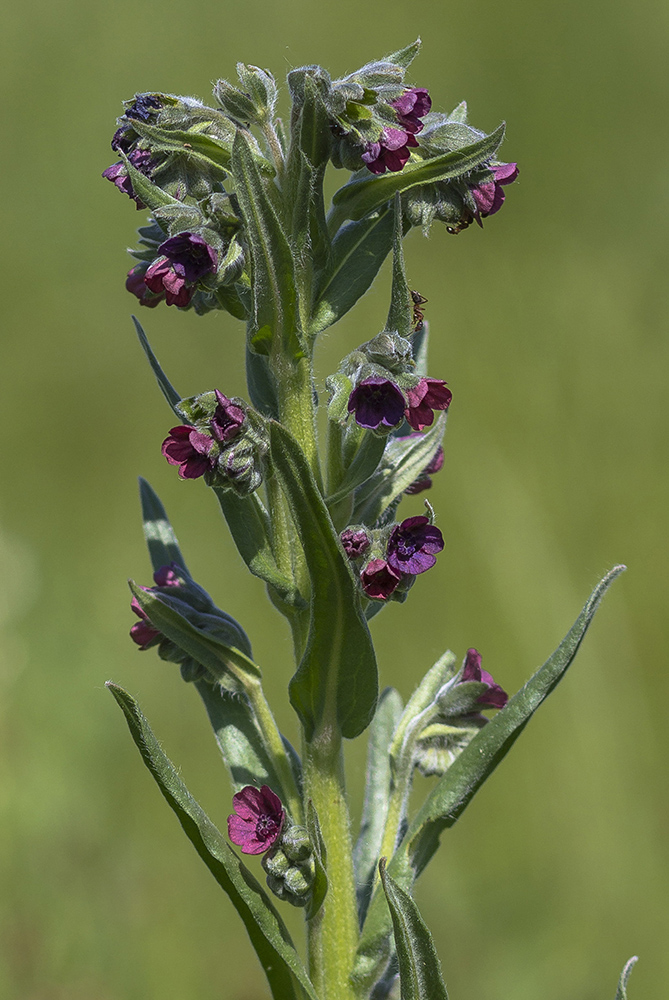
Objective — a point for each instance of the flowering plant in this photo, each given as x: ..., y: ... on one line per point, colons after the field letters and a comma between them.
x: 239, y: 224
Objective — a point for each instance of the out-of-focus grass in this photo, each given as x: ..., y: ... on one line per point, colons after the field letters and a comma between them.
x: 550, y: 326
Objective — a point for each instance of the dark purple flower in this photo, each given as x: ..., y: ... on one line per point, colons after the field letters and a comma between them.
x: 135, y: 283
x: 228, y: 419
x: 379, y: 579
x: 411, y: 107
x: 495, y: 696
x: 188, y: 448
x: 258, y: 821
x: 391, y: 152
x: 143, y: 632
x: 430, y: 394
x: 355, y: 543
x: 143, y: 106
x: 118, y: 175
x: 489, y: 197
x: 168, y: 576
x: 424, y: 482
x: 412, y: 546
x: 377, y: 402
x: 185, y: 259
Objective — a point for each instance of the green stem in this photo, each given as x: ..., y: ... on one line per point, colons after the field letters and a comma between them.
x: 274, y: 744
x: 333, y: 932
x: 296, y: 408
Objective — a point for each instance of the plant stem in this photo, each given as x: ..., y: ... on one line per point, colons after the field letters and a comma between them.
x: 297, y: 411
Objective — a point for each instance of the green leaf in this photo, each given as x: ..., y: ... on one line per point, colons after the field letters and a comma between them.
x: 196, y: 146
x: 160, y: 538
x: 167, y: 389
x: 400, y: 315
x: 227, y: 665
x: 409, y: 460
x: 364, y: 194
x: 251, y: 530
x: 153, y: 196
x: 261, y: 384
x: 320, y: 887
x: 377, y: 792
x: 363, y: 466
x: 358, y: 251
x: 621, y: 992
x: 269, y: 936
x: 404, y: 57
x: 336, y: 679
x: 420, y: 970
x: 457, y: 787
x: 275, y: 302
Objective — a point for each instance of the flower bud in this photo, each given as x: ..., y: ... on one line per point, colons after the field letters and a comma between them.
x: 290, y: 866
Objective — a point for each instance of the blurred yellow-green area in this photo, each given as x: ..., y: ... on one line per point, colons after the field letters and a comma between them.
x: 550, y: 326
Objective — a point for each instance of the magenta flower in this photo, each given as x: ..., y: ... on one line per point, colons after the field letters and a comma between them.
x: 379, y: 579
x: 495, y: 696
x: 228, y: 419
x: 185, y: 259
x: 430, y: 394
x: 411, y: 107
x: 377, y: 402
x: 489, y: 197
x: 355, y: 543
x: 136, y: 285
x: 143, y: 632
x: 118, y: 175
x: 391, y: 152
x: 188, y: 448
x: 412, y: 546
x: 424, y: 481
x: 258, y: 821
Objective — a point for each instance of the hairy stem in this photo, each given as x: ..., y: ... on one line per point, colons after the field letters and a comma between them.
x: 274, y: 743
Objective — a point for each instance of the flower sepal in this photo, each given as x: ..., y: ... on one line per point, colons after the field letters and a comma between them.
x: 254, y: 102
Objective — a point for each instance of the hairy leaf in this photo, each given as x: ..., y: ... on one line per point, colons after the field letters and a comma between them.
x: 621, y: 992
x: 158, y: 532
x: 167, y: 389
x: 400, y: 315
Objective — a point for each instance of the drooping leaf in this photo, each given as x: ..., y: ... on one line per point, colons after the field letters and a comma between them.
x: 377, y: 791
x: 457, y: 787
x: 160, y: 538
x: 275, y: 303
x: 358, y: 251
x: 269, y: 936
x: 409, y: 460
x: 420, y: 970
x: 337, y: 676
x: 167, y: 389
x: 621, y: 992
x: 400, y: 315
x: 364, y: 194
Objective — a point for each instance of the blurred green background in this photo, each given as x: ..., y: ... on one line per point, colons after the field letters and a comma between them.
x: 550, y: 326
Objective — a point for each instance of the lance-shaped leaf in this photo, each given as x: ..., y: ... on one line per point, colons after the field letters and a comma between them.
x: 166, y: 387
x: 621, y: 992
x: 364, y: 194
x: 250, y: 528
x: 400, y: 315
x: 198, y: 147
x: 377, y: 793
x: 153, y: 196
x: 420, y: 970
x: 404, y: 57
x: 275, y: 303
x: 462, y: 780
x: 358, y: 251
x: 364, y: 465
x: 269, y: 936
x: 160, y: 538
x: 337, y: 676
x: 410, y: 459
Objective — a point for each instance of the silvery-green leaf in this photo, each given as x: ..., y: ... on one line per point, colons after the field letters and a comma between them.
x: 364, y: 465
x: 377, y: 791
x: 153, y: 196
x: 158, y: 532
x: 420, y: 969
x: 400, y: 316
x: 269, y: 936
x: 621, y: 992
x: 404, y: 57
x: 337, y: 676
x: 167, y: 389
x: 410, y: 459
x: 424, y: 695
x: 419, y: 344
x: 198, y: 148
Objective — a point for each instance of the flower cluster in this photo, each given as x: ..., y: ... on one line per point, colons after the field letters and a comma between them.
x: 378, y: 402
x: 184, y: 259
x: 397, y: 555
x: 143, y: 632
x: 392, y: 149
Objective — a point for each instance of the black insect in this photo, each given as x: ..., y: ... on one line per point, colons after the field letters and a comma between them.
x: 418, y: 317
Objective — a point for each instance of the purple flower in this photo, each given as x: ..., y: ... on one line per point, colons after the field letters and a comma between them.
x: 118, y: 175
x: 489, y: 197
x: 391, y: 152
x: 377, y: 402
x: 495, y: 696
x: 135, y: 283
x: 258, y: 821
x: 143, y: 632
x: 188, y: 448
x: 424, y: 481
x: 411, y: 107
x: 430, y: 394
x: 185, y: 259
x: 412, y: 546
x: 355, y: 543
x: 379, y: 579
x: 228, y: 419
x: 143, y: 106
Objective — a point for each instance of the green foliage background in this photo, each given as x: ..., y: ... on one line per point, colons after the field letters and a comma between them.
x: 550, y: 326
